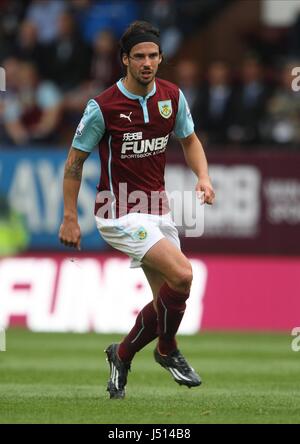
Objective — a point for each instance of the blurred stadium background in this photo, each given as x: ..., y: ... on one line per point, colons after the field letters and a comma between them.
x: 234, y: 61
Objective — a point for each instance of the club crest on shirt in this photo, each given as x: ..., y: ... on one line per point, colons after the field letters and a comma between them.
x: 165, y: 108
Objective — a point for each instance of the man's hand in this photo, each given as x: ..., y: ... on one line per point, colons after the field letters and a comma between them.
x: 205, y: 191
x: 69, y: 233
x: 196, y: 160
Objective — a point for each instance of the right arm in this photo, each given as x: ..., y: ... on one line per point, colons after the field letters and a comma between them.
x: 69, y: 233
x: 88, y: 134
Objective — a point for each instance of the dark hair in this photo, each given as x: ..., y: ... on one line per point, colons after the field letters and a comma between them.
x: 135, y: 29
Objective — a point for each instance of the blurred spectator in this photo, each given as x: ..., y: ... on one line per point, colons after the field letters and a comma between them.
x: 213, y: 104
x: 32, y: 112
x: 269, y: 43
x: 105, y: 70
x: 178, y: 19
x: 14, y: 237
x: 68, y: 56
x: 78, y: 7
x: 164, y: 15
x: 294, y: 39
x: 106, y: 67
x: 282, y: 124
x: 115, y: 15
x: 27, y: 46
x: 193, y: 14
x: 187, y: 79
x: 80, y: 10
x: 249, y: 101
x: 44, y: 14
x: 11, y: 13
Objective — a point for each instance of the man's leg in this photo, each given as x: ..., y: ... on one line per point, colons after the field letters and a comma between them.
x: 155, y: 280
x: 170, y: 262
x: 145, y: 329
x: 165, y: 258
x: 143, y: 332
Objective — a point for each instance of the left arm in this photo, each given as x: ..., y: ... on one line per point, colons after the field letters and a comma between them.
x: 196, y: 160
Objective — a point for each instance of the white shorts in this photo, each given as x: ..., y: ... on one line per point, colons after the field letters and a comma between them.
x: 135, y: 233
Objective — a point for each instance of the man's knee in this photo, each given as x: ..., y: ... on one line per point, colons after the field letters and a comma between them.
x: 181, y: 281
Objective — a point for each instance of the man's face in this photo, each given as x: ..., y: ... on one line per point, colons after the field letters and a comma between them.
x: 142, y: 62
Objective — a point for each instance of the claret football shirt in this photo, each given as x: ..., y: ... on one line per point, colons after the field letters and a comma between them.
x: 132, y: 134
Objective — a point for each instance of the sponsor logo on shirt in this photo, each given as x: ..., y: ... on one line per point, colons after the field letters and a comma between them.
x: 133, y: 136
x: 134, y: 147
x: 165, y: 108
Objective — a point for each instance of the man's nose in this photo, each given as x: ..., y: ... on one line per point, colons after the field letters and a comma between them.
x: 147, y: 61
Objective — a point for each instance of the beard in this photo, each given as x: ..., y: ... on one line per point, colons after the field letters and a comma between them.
x: 144, y: 81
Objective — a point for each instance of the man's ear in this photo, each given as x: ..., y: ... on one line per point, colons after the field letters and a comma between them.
x: 160, y: 58
x: 125, y: 59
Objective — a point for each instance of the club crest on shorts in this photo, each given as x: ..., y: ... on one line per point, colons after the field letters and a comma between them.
x: 165, y: 108
x: 140, y: 234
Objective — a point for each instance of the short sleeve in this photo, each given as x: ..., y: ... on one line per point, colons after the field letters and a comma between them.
x: 90, y: 129
x: 184, y: 125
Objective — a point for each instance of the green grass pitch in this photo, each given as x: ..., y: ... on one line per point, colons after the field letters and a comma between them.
x: 61, y: 378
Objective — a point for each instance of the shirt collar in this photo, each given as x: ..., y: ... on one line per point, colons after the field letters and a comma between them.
x: 132, y: 96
